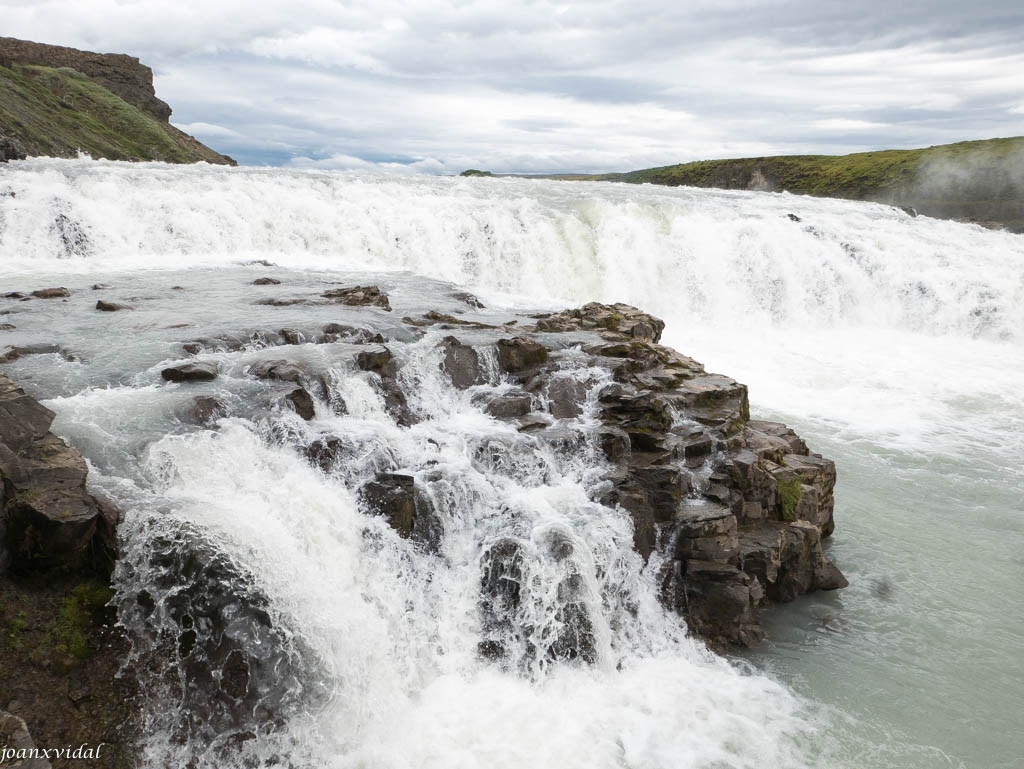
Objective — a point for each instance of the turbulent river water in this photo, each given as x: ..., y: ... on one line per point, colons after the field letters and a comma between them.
x: 894, y: 345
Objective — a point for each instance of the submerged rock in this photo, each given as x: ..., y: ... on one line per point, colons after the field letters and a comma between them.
x: 104, y: 306
x: 302, y: 402
x: 14, y: 353
x: 395, y: 497
x: 462, y: 363
x: 203, y: 625
x: 51, y: 293
x: 365, y: 296
x: 190, y: 372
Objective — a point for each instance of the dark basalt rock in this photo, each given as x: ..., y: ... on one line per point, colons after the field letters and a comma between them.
x: 468, y: 298
x: 51, y: 293
x: 34, y: 349
x: 302, y: 402
x: 202, y: 620
x: 205, y: 410
x: 736, y: 508
x: 507, y: 405
x: 502, y: 592
x: 292, y: 336
x: 407, y: 510
x: 566, y: 396
x: 190, y: 372
x: 48, y: 518
x: 278, y: 370
x: 462, y: 363
x: 266, y: 282
x: 618, y: 318
x: 282, y: 301
x: 334, y: 332
x: 520, y: 354
x: 378, y: 360
x: 752, y: 534
x: 364, y: 296
x: 111, y: 306
x: 391, y: 495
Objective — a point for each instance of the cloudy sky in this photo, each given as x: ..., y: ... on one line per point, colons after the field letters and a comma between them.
x: 438, y: 86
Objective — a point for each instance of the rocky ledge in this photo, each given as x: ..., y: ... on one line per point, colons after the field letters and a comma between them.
x: 48, y: 518
x: 737, y: 508
x: 733, y: 509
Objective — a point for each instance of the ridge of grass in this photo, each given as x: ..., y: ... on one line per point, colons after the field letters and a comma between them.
x: 979, y: 181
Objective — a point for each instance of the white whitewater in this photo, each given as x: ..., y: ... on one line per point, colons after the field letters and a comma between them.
x: 894, y: 345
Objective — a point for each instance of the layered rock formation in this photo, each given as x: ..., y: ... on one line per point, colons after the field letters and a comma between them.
x: 58, y: 101
x: 48, y: 519
x: 122, y: 75
x: 734, y: 509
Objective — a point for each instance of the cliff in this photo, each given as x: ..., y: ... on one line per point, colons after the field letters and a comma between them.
x: 58, y: 102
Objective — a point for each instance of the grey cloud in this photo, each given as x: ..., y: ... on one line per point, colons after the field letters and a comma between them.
x: 548, y: 86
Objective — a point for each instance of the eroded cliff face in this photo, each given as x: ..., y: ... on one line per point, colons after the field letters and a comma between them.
x: 122, y: 75
x: 57, y: 101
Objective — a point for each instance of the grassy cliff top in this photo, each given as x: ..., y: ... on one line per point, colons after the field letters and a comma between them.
x: 60, y: 112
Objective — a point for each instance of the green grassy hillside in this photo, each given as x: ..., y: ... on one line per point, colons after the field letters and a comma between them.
x: 61, y: 112
x: 979, y: 181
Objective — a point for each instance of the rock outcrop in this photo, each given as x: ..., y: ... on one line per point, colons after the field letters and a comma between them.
x: 737, y: 507
x: 48, y: 520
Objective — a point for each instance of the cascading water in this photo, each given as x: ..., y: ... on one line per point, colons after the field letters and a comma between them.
x: 251, y: 569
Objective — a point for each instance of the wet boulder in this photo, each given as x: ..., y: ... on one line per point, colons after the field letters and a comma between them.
x: 359, y: 296
x: 505, y: 405
x: 190, y: 372
x: 461, y: 362
x: 501, y: 577
x: 14, y: 353
x: 379, y: 360
x: 302, y: 402
x: 566, y: 396
x: 292, y: 336
x: 278, y: 371
x: 206, y: 410
x: 719, y: 601
x: 520, y: 355
x: 104, y: 306
x: 51, y: 293
x: 205, y: 636
x: 408, y: 510
x: 48, y: 518
x: 612, y: 320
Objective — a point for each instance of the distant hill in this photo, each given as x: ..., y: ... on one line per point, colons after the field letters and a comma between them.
x: 979, y: 181
x: 58, y: 102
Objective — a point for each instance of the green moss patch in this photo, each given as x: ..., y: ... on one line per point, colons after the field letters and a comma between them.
x: 790, y: 492
x: 77, y: 614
